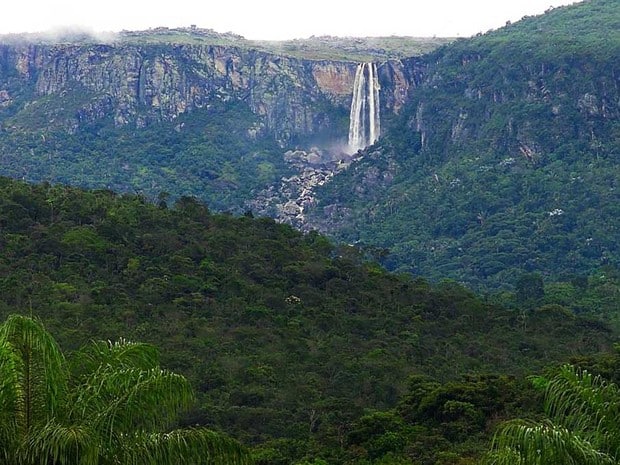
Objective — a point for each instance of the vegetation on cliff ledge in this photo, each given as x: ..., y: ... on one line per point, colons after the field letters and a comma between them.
x: 311, y: 48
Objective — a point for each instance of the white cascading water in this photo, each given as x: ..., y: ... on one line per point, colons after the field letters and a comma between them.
x: 365, y: 123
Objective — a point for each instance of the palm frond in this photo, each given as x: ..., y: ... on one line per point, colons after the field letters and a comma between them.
x: 520, y: 442
x: 120, y: 401
x: 120, y: 354
x: 61, y: 445
x: 587, y: 404
x: 194, y: 446
x: 10, y: 368
x: 43, y: 375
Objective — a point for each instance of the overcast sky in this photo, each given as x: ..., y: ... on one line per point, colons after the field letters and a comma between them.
x: 274, y: 19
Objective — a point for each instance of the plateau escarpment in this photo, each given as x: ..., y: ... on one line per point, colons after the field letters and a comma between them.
x: 184, y: 113
x: 138, y: 85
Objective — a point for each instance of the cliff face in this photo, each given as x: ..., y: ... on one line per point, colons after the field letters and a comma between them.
x: 142, y: 84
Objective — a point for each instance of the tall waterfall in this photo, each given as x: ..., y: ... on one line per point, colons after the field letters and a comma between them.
x: 365, y: 123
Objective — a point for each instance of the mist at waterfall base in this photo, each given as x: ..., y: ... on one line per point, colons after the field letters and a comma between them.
x: 364, y: 119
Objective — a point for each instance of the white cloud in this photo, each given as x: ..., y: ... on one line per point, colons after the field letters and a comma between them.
x: 275, y: 19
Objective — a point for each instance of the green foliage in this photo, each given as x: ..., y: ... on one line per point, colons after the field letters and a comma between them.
x: 529, y: 290
x: 582, y: 425
x: 504, y: 160
x: 266, y: 322
x: 595, y: 297
x: 436, y: 422
x: 117, y: 408
x: 207, y: 153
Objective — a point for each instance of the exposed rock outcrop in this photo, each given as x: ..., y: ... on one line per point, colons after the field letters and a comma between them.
x: 141, y: 84
x: 289, y: 200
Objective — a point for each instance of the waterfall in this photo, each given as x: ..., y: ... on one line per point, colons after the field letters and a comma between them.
x: 365, y: 122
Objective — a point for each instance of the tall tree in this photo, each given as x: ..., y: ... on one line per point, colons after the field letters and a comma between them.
x: 582, y: 427
x: 530, y: 289
x: 110, y: 404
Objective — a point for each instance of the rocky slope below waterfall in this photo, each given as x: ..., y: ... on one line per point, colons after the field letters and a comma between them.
x: 503, y: 162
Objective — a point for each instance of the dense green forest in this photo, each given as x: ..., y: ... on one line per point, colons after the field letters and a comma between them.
x: 207, y: 153
x: 301, y: 349
x: 504, y: 161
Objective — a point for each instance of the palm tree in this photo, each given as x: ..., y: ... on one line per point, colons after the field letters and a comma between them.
x: 583, y: 427
x: 111, y: 404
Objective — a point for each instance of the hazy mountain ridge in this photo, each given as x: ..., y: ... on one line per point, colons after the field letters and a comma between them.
x: 315, y: 48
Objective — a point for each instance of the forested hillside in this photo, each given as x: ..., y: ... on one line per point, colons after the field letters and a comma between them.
x: 295, y: 345
x: 212, y: 157
x: 503, y: 162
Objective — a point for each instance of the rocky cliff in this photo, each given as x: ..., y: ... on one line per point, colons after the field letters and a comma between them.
x: 142, y: 84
